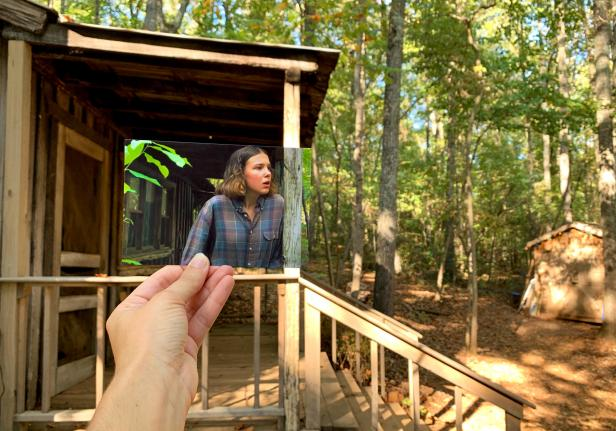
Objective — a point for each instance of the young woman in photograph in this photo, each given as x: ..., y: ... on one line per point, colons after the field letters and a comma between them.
x: 241, y: 225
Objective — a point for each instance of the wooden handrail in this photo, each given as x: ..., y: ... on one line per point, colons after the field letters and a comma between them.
x: 323, y: 301
x: 358, y: 307
x: 117, y: 280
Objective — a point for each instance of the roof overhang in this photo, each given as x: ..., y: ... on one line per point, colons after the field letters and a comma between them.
x: 160, y: 86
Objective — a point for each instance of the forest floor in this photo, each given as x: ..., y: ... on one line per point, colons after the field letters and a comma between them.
x: 563, y: 367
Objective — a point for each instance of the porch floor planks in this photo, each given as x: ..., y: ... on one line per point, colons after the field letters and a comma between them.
x: 231, y: 371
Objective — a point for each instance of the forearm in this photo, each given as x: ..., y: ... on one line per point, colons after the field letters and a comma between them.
x: 141, y: 400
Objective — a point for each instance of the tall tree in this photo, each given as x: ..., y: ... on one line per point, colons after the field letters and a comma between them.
x: 564, y: 162
x: 359, y: 101
x: 387, y: 230
x: 607, y: 164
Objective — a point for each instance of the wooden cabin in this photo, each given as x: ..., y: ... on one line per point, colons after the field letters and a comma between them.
x: 70, y: 95
x: 567, y: 274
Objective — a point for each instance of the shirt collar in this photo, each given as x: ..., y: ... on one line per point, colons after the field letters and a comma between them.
x: 238, y: 203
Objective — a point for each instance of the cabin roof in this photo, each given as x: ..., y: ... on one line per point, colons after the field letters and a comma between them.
x: 154, y: 85
x: 589, y: 228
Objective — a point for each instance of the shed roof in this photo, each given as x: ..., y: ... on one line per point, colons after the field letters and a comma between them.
x: 162, y: 86
x: 589, y: 228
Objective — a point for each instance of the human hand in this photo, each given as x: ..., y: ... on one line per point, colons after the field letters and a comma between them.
x: 158, y: 328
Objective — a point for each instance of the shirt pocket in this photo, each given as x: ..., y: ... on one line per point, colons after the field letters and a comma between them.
x: 271, y: 242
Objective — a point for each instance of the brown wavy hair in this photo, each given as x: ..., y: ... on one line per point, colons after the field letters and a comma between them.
x: 234, y: 183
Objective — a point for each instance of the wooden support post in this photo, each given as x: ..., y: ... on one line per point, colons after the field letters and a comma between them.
x: 374, y: 385
x: 38, y: 243
x: 292, y: 183
x: 458, y: 403
x: 101, y: 317
x: 334, y: 342
x: 312, y: 366
x: 52, y: 293
x: 414, y: 394
x: 256, y: 350
x: 358, y: 357
x: 512, y: 423
x: 22, y: 346
x: 382, y: 371
x: 281, y: 337
x: 205, y: 371
x: 16, y: 213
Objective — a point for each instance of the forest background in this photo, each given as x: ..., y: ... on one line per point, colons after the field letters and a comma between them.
x: 494, y: 136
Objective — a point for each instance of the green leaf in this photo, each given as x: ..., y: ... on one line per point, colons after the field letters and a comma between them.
x: 145, y: 177
x: 132, y: 151
x: 131, y: 262
x: 129, y: 189
x: 174, y: 157
x: 164, y: 171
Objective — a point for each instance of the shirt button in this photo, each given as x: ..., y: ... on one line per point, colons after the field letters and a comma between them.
x: 249, y: 248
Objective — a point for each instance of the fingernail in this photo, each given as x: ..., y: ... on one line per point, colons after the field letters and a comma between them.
x: 199, y: 261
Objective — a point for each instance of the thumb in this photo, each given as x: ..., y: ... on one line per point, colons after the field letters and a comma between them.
x: 192, y: 278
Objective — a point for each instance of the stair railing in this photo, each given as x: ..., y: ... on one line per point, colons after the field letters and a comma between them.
x: 387, y: 333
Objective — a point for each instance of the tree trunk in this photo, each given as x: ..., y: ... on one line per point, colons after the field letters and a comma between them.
x: 448, y: 265
x: 359, y: 88
x: 316, y: 177
x: 564, y: 163
x: 607, y: 176
x: 547, y: 176
x: 385, y: 282
x: 472, y: 325
x: 153, y: 15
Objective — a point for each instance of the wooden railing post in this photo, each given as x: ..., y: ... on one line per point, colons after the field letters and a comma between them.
x: 334, y: 342
x: 256, y: 349
x: 382, y: 371
x: 15, y: 124
x: 414, y: 394
x: 374, y: 385
x: 101, y: 316
x: 312, y: 368
x: 458, y: 403
x: 358, y: 357
x: 205, y: 371
x: 512, y: 423
x: 291, y: 240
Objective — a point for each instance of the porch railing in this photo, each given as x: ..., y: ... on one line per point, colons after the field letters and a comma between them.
x: 50, y: 374
x: 384, y: 332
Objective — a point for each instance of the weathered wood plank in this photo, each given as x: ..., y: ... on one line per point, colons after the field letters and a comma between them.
x: 312, y: 368
x: 38, y: 253
x: 74, y: 372
x: 334, y: 342
x: 459, y: 412
x: 101, y: 318
x: 216, y: 413
x: 205, y: 371
x: 59, y: 35
x: 256, y: 347
x: 291, y: 353
x: 414, y: 393
x: 27, y: 15
x: 512, y: 423
x: 77, y: 302
x: 80, y: 260
x: 16, y: 213
x: 374, y: 385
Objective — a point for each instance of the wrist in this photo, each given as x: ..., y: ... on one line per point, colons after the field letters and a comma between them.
x: 145, y: 396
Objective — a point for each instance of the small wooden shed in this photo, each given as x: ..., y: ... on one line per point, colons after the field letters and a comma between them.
x: 567, y: 274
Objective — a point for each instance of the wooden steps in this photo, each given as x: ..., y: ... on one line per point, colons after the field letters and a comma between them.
x: 392, y: 416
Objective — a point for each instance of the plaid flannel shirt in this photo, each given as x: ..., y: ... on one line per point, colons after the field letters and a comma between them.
x: 227, y: 236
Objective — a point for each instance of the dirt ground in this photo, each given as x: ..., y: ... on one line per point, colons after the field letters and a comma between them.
x: 563, y: 367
